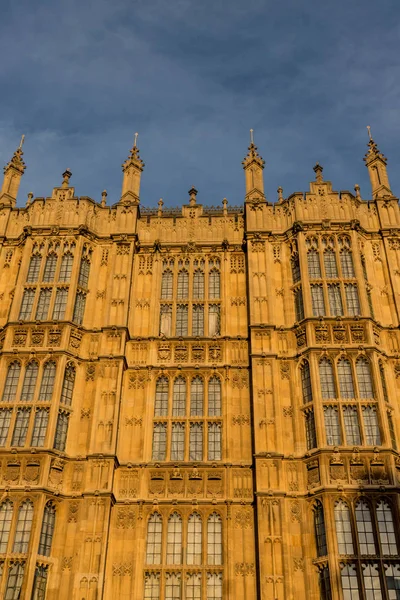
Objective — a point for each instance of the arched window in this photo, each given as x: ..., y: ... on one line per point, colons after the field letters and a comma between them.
x: 332, y: 426
x: 306, y: 382
x: 351, y: 425
x: 194, y: 542
x: 214, y: 441
x: 60, y: 438
x: 66, y: 267
x: 14, y: 581
x: 193, y: 587
x: 11, y: 384
x: 196, y: 441
x: 350, y: 587
x: 47, y: 531
x: 24, y: 525
x: 26, y: 305
x: 295, y: 263
x: 325, y: 583
x: 34, y: 268
x: 29, y: 385
x: 214, y: 540
x: 152, y: 586
x: 343, y: 528
x: 167, y: 285
x: 161, y: 403
x: 40, y: 582
x: 42, y: 309
x: 345, y: 376
x: 330, y: 264
x: 182, y: 320
x: 21, y: 427
x: 371, y: 426
x: 198, y: 285
x: 5, y: 420
x: 319, y: 527
x: 154, y: 540
x: 364, y: 528
x: 40, y: 427
x: 6, y: 514
x: 314, y: 267
x: 214, y: 586
x: 214, y: 397
x: 159, y: 441
x: 178, y: 441
x: 198, y: 320
x: 47, y: 385
x: 68, y: 385
x: 346, y: 261
x: 60, y: 304
x: 387, y: 535
x: 173, y: 588
x: 50, y: 268
x: 196, y: 397
x: 84, y: 270
x: 364, y: 378
x: 327, y: 379
x: 183, y: 284
x: 383, y: 381
x: 179, y: 397
x: 214, y: 284
x: 174, y: 540
x: 79, y: 307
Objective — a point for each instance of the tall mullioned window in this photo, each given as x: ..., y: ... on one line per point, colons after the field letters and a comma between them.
x: 334, y: 290
x: 190, y: 297
x: 187, y: 419
x: 203, y: 554
x: 351, y: 416
x: 43, y: 297
x: 83, y: 283
x: 47, y: 531
x: 23, y: 528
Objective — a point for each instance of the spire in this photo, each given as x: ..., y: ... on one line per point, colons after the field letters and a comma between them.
x: 132, y: 170
x: 376, y: 162
x: 253, y: 165
x: 13, y: 172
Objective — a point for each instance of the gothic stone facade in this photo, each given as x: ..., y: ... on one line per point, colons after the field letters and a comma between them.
x: 200, y: 403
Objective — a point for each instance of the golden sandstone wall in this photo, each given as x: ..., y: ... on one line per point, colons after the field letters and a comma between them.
x: 199, y: 403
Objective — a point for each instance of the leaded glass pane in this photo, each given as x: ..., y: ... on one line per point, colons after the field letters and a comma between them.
x: 345, y: 376
x: 178, y: 441
x: 392, y: 573
x: 214, y: 320
x: 383, y: 381
x: 295, y: 269
x: 42, y: 309
x: 197, y: 397
x: 60, y: 438
x: 332, y: 426
x: 152, y: 586
x: 214, y: 540
x: 350, y: 583
x: 47, y: 531
x: 40, y: 427
x: 311, y: 436
x: 214, y: 586
x: 47, y: 385
x: 79, y: 308
x: 14, y: 581
x: 214, y: 284
x: 351, y: 426
x: 193, y: 587
x: 29, y: 385
x: 5, y: 418
x: 198, y: 285
x: 214, y: 441
x: 68, y: 385
x: 198, y: 320
x: 60, y: 304
x: 330, y: 265
x: 346, y: 262
x: 26, y: 305
x: 166, y: 320
x: 335, y: 300
x: 39, y: 583
x: 196, y: 441
x: 11, y: 384
x: 167, y: 285
x: 173, y: 586
x: 352, y: 300
x: 154, y: 540
x: 181, y: 320
x: 318, y: 302
x: 6, y: 514
x: 66, y: 267
x: 21, y: 427
x: 325, y: 584
x: 319, y: 527
x: 174, y: 540
x: 314, y: 267
x: 34, y: 269
x: 343, y: 528
x: 387, y: 536
x: 50, y: 268
x: 84, y: 270
x: 23, y: 529
x: 179, y: 397
x: 159, y: 441
x: 161, y: 403
x: 372, y: 582
x: 183, y: 285
x: 364, y: 529
x: 364, y: 378
x: 298, y: 304
x: 371, y: 427
x: 194, y: 543
x: 214, y: 397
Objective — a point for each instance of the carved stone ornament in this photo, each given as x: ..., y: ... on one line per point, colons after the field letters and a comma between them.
x: 75, y: 339
x: 285, y: 369
x: 20, y: 336
x: 357, y: 333
x: 90, y: 372
x: 126, y: 518
x: 54, y: 338
x: 244, y: 519
x: 37, y: 337
x: 137, y: 381
x: 164, y: 351
x: 322, y: 335
x: 214, y: 353
x: 295, y: 511
x: 181, y: 353
x: 244, y: 569
x: 121, y: 569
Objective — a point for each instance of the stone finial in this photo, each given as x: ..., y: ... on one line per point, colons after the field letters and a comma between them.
x: 66, y: 177
x: 318, y: 172
x: 225, y: 206
x: 160, y: 205
x: 13, y: 172
x: 103, y: 198
x: 192, y: 196
x: 357, y: 190
x: 132, y: 169
x: 280, y: 196
x: 29, y: 199
x: 376, y: 163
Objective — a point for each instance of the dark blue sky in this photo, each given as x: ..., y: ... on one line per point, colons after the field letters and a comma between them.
x: 79, y: 77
